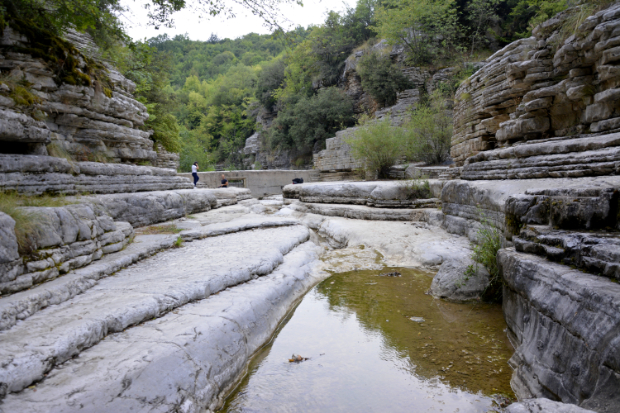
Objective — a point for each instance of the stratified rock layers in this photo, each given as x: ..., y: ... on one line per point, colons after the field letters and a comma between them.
x: 564, y: 326
x: 544, y: 107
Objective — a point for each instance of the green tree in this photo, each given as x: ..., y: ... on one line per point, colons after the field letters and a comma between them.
x: 382, y: 78
x: 429, y: 131
x: 428, y: 28
x: 482, y: 13
x: 306, y: 124
x: 269, y: 80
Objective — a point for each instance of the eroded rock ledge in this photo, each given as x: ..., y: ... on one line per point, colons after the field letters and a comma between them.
x: 545, y: 106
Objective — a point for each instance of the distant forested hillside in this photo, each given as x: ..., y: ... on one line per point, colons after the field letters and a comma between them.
x: 204, y: 98
x: 222, y: 85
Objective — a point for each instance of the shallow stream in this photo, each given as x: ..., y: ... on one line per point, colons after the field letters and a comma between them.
x: 380, y: 344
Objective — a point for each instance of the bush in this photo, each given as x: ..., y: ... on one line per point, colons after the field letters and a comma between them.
x: 382, y: 78
x: 378, y: 145
x: 430, y: 130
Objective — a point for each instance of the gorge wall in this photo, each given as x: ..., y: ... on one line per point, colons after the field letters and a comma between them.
x: 545, y: 106
x: 335, y: 161
x: 81, y: 132
x: 542, y: 116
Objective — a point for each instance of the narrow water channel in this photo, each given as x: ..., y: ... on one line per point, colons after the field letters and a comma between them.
x: 380, y: 344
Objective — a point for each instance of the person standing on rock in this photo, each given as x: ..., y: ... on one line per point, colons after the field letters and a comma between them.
x: 224, y: 182
x: 195, y: 173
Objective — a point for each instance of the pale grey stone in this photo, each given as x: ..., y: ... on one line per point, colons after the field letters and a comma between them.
x: 98, y: 312
x: 8, y: 240
x: 544, y: 406
x: 202, y: 348
x: 563, y: 324
x: 451, y: 282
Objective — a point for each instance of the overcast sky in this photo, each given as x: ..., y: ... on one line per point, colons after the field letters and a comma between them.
x: 186, y: 21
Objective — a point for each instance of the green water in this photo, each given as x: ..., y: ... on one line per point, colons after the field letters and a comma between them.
x: 367, y: 355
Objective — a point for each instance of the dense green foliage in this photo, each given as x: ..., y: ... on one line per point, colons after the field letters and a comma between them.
x: 424, y: 136
x: 382, y: 78
x: 430, y: 131
x: 378, y: 145
x: 204, y: 97
x: 306, y: 124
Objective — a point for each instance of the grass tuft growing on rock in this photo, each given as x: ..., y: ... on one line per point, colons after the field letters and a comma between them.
x: 26, y: 222
x: 58, y: 151
x: 160, y: 229
x: 484, y: 253
x: 417, y: 188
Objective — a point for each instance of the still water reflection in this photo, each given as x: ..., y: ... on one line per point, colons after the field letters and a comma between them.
x: 368, y: 355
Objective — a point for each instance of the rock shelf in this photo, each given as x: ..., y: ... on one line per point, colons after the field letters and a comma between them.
x: 35, y: 174
x: 139, y: 293
x: 202, y: 348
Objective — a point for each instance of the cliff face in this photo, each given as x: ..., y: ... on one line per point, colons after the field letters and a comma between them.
x: 336, y: 156
x: 61, y: 137
x: 85, y: 121
x: 549, y: 107
x: 545, y: 106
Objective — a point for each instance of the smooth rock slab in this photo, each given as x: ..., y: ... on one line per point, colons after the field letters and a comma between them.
x: 362, y: 212
x: 544, y: 406
x: 180, y: 362
x: 149, y: 289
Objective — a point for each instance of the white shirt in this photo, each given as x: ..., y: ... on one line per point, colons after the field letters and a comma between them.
x: 194, y: 169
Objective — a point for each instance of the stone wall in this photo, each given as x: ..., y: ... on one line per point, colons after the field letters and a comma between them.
x: 544, y: 106
x: 337, y: 155
x: 260, y: 183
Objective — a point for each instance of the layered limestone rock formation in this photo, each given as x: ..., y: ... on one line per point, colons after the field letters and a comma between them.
x: 85, y: 121
x: 72, y: 138
x: 541, y: 116
x: 232, y: 324
x: 374, y: 194
x: 37, y: 174
x: 165, y: 159
x: 337, y: 155
x: 545, y: 106
x: 70, y: 237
